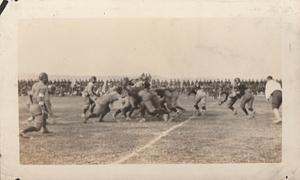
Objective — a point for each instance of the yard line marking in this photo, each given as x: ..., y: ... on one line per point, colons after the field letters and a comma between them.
x: 150, y: 143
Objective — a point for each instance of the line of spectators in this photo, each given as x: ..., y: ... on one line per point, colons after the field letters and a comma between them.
x: 66, y: 87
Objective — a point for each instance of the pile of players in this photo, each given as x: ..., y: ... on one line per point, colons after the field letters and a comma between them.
x: 136, y: 95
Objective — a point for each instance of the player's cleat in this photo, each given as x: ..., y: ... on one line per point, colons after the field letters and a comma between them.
x: 235, y: 112
x: 142, y: 120
x: 178, y: 114
x: 165, y: 117
x: 82, y: 115
x: 249, y: 117
x: 279, y: 121
x: 198, y: 113
x: 47, y: 132
x: 85, y: 120
x: 128, y: 119
x: 23, y: 135
x: 31, y: 118
x: 171, y: 119
x: 203, y: 112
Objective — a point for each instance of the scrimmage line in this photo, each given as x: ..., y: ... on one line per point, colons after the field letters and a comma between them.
x: 150, y: 143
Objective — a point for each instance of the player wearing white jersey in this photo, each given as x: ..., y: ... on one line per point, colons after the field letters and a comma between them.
x: 273, y: 94
x: 200, y: 98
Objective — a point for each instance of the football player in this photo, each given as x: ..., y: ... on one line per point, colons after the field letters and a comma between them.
x: 40, y: 106
x: 273, y: 94
x: 200, y: 97
x: 89, y: 94
x: 102, y: 104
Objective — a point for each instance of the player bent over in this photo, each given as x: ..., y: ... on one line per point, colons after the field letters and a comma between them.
x: 102, y: 104
x: 126, y: 107
x: 237, y: 92
x: 200, y: 97
x: 169, y: 99
x: 273, y: 94
x: 247, y: 100
x: 224, y: 93
x: 90, y: 96
x: 151, y: 104
x: 130, y: 100
x: 240, y: 91
x: 40, y: 106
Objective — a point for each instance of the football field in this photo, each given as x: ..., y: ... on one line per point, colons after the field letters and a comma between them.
x: 217, y: 137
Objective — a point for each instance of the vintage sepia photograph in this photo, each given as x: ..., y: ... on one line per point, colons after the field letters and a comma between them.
x: 98, y: 91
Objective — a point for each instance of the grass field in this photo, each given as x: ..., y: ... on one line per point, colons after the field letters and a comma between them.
x: 217, y: 137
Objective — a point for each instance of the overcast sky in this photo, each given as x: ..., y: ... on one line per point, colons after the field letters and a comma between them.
x: 192, y: 47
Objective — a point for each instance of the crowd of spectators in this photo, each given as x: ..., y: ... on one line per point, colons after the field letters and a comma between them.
x: 66, y: 87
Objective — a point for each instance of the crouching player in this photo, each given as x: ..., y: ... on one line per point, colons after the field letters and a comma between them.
x: 200, y: 97
x: 102, y: 104
x: 40, y: 106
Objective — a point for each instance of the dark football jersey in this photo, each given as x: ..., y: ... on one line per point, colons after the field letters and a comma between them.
x: 240, y: 89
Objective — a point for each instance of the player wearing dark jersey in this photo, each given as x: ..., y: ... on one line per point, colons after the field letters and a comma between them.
x: 151, y: 104
x: 225, y: 91
x: 240, y: 91
x: 247, y: 100
x: 169, y: 99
